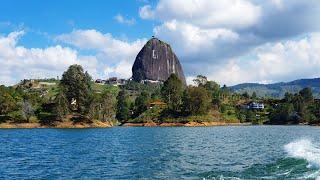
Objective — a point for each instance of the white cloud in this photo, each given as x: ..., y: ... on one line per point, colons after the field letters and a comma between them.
x: 281, y: 61
x: 122, y: 69
x: 116, y: 56
x: 229, y: 40
x: 277, y: 3
x: 205, y: 13
x: 101, y: 54
x: 18, y: 62
x: 190, y: 40
x: 146, y: 12
x: 122, y: 20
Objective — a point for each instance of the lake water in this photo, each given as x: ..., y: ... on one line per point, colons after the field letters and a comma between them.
x: 247, y: 152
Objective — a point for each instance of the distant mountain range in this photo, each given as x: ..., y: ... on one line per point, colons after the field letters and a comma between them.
x: 277, y: 90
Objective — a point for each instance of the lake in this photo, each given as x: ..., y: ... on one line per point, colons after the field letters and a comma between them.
x: 243, y: 152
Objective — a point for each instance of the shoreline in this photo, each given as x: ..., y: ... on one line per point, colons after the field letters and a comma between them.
x: 71, y: 125
x: 189, y: 124
x: 60, y: 125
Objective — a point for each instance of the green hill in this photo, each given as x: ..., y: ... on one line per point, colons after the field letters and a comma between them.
x: 277, y: 90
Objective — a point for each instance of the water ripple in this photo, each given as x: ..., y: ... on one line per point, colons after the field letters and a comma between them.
x: 253, y: 152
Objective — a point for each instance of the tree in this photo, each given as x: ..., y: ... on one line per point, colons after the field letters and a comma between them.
x: 61, y: 107
x: 212, y: 87
x: 288, y: 97
x: 306, y: 94
x: 200, y: 80
x: 102, y: 106
x: 216, y: 101
x: 76, y: 86
x: 88, y: 80
x: 246, y: 95
x: 314, y: 111
x: 7, y: 103
x: 141, y: 103
x: 27, y: 110
x: 284, y: 114
x: 241, y: 114
x: 196, y: 101
x: 172, y: 92
x: 251, y: 116
x: 300, y: 107
x: 107, y: 106
x: 225, y: 92
x: 92, y: 111
x: 122, y: 107
x: 254, y: 95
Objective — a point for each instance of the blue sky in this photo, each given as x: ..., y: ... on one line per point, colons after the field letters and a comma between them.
x: 230, y: 41
x: 56, y: 17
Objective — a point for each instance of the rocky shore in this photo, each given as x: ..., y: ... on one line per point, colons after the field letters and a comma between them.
x: 189, y: 124
x: 96, y: 124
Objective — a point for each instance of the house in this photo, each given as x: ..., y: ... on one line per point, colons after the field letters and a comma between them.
x: 99, y: 81
x: 255, y: 106
x: 115, y: 81
x: 112, y: 81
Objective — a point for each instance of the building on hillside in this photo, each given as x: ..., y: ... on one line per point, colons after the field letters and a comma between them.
x: 255, y: 106
x: 100, y: 81
x: 151, y: 82
x: 112, y: 81
x: 115, y: 81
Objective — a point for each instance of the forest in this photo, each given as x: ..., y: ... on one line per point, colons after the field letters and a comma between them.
x: 77, y: 98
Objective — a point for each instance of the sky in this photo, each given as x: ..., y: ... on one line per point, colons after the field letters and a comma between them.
x: 229, y: 41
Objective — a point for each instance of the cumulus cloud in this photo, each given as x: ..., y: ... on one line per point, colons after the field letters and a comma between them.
x: 122, y: 20
x: 18, y: 62
x: 192, y: 42
x: 146, y: 12
x: 116, y: 56
x: 272, y: 62
x: 100, y: 54
x: 205, y: 13
x: 277, y: 3
x: 287, y: 18
x: 230, y: 39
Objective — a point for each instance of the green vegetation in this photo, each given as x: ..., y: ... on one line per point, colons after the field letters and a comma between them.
x: 297, y: 108
x: 141, y: 103
x: 76, y: 86
x: 172, y: 93
x: 122, y: 106
x: 278, y: 90
x: 196, y: 101
x: 76, y: 98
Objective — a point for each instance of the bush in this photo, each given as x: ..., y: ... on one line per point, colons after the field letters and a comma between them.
x: 223, y: 108
x: 17, y: 117
x: 33, y: 119
x: 46, y: 118
x: 312, y: 119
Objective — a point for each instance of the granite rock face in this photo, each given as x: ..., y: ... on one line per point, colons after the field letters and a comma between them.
x: 156, y: 62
